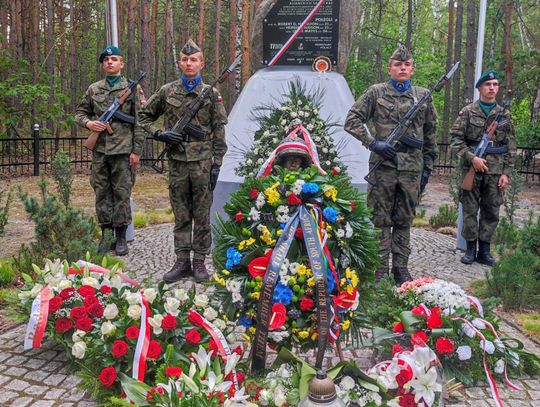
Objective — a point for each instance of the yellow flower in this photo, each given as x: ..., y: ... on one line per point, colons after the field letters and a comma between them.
x: 331, y: 193
x: 225, y: 272
x: 314, y: 336
x: 352, y: 276
x: 329, y: 228
x: 255, y: 295
x: 219, y: 280
x: 272, y: 195
x: 252, y: 330
x: 302, y: 269
x: 245, y: 243
x: 309, y: 273
x: 279, y: 232
x: 246, y: 337
x: 303, y: 334
x: 311, y: 282
x: 350, y: 289
x: 346, y: 324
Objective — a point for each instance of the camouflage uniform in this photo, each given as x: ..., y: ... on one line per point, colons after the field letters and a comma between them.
x: 485, y: 196
x: 189, y: 171
x: 395, y: 196
x: 112, y: 176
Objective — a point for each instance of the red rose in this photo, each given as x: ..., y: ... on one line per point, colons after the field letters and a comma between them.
x: 193, y: 337
x: 419, y: 338
x: 238, y: 350
x: 62, y: 325
x: 194, y: 318
x: 398, y: 328
x: 154, y: 349
x: 105, y: 289
x: 169, y: 322
x: 132, y: 332
x: 95, y: 310
x: 55, y: 303
x: 174, y: 372
x: 107, y: 376
x: 88, y: 301
x: 84, y: 324
x: 119, y: 349
x: 86, y: 290
x: 436, y: 310
x: 66, y: 293
x: 444, y: 345
x: 299, y: 233
x: 241, y: 377
x: 407, y: 400
x: 306, y: 304
x: 403, y: 377
x: 239, y: 216
x: 254, y: 193
x: 396, y: 348
x: 77, y: 313
x: 434, y: 321
x: 294, y: 200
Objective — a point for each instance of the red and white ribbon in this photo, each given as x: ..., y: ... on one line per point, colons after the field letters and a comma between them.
x: 476, y: 304
x: 141, y: 350
x: 38, y: 319
x: 94, y: 268
x: 297, y: 32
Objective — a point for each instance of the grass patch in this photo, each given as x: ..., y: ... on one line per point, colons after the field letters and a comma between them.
x: 140, y: 220
x: 480, y: 288
x: 144, y: 219
x: 530, y: 322
x: 7, y: 272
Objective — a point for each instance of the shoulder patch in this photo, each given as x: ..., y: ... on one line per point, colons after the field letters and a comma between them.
x: 460, y: 113
x: 219, y: 99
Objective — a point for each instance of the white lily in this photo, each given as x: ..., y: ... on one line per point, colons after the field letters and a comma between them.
x: 215, y: 384
x: 423, y: 356
x: 425, y: 385
x: 231, y: 362
x: 203, y: 359
x: 239, y: 399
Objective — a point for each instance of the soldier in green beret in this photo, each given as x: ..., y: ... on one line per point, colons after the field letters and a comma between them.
x: 405, y: 169
x: 491, y: 172
x: 116, y: 155
x: 190, y: 167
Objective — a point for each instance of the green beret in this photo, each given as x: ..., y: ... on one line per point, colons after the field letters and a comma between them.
x: 108, y: 51
x: 401, y: 54
x: 487, y: 76
x: 190, y: 48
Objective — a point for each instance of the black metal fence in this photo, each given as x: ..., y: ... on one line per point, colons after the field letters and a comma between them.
x: 33, y: 155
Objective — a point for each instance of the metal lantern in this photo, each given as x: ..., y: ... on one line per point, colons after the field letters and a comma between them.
x: 322, y: 392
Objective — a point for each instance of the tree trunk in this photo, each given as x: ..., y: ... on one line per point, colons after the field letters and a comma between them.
x: 154, y: 51
x: 448, y: 87
x: 131, y: 55
x: 536, y: 106
x: 145, y: 42
x: 456, y: 103
x: 186, y: 31
x: 409, y: 24
x: 73, y: 64
x: 50, y: 59
x: 245, y: 42
x: 233, y: 27
x: 378, y: 56
x: 168, y: 35
x: 470, y: 51
x: 201, y: 24
x: 217, y: 40
x: 4, y: 24
x: 507, y: 48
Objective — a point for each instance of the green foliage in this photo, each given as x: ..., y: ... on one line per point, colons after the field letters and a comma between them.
x: 63, y: 175
x: 506, y: 235
x: 7, y: 273
x: 4, y: 210
x: 528, y: 135
x: 447, y: 215
x: 511, y: 195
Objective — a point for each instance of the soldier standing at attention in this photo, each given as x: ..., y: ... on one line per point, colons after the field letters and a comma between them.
x: 492, y: 172
x: 192, y: 166
x: 116, y: 155
x: 405, y: 169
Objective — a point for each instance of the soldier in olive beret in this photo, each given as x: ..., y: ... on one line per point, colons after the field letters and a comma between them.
x: 405, y: 169
x: 192, y: 166
x: 491, y: 172
x: 116, y: 155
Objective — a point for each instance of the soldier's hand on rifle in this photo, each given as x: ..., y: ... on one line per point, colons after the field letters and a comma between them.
x: 214, y: 175
x: 503, y: 182
x: 480, y: 165
x: 384, y: 149
x: 96, y: 125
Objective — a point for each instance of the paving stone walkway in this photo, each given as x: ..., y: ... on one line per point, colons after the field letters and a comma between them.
x: 40, y: 378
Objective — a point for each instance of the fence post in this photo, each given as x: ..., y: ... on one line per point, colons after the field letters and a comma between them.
x: 36, y: 149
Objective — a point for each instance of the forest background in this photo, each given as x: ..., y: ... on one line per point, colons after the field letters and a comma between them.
x: 49, y: 51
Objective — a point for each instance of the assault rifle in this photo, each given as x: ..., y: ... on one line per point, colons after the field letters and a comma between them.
x: 400, y: 130
x: 114, y: 111
x: 182, y: 126
x: 485, y: 142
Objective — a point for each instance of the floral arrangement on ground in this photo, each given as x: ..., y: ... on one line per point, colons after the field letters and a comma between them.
x: 258, y: 213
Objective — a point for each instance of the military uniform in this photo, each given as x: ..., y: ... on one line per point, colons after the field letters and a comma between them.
x: 394, y: 197
x: 485, y: 196
x: 112, y: 177
x: 189, y: 170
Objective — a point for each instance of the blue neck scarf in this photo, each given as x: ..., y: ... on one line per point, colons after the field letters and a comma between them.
x: 401, y: 86
x: 487, y: 107
x: 191, y: 84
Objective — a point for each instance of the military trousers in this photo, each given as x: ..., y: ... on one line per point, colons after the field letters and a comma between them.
x: 191, y: 199
x: 112, y: 179
x: 393, y: 200
x: 487, y: 198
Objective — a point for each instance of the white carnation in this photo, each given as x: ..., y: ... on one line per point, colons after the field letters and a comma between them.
x: 254, y: 215
x: 499, y: 367
x: 487, y: 346
x: 210, y: 313
x: 478, y: 324
x: 464, y: 352
x: 347, y: 383
x: 467, y: 330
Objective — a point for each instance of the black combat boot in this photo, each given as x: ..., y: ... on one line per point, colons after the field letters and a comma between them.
x: 470, y: 254
x: 401, y: 275
x: 484, y: 256
x: 121, y: 247
x: 106, y: 231
x: 199, y: 270
x: 380, y: 274
x: 180, y: 270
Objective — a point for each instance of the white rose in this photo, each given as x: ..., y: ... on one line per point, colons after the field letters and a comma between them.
x: 155, y: 323
x: 150, y: 294
x: 91, y: 281
x: 219, y: 324
x: 210, y: 313
x: 116, y: 282
x: 347, y: 383
x: 134, y: 311
x: 200, y: 301
x: 110, y: 311
x: 78, y: 335
x: 171, y: 306
x: 78, y: 349
x: 499, y: 367
x: 62, y: 285
x: 107, y: 328
x: 35, y: 290
x: 133, y: 298
x: 181, y: 294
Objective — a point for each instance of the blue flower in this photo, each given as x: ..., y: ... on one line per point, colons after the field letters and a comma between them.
x: 233, y: 257
x: 229, y: 264
x: 237, y: 258
x: 330, y: 281
x: 310, y: 188
x: 230, y: 252
x: 282, y: 225
x: 282, y: 294
x: 246, y: 321
x: 330, y: 214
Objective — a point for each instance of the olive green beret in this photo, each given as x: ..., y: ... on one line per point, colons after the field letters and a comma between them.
x: 401, y: 54
x: 190, y: 48
x: 487, y: 76
x: 108, y: 51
